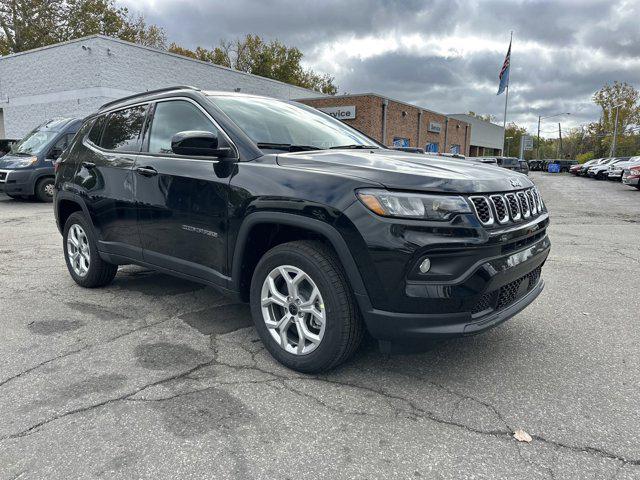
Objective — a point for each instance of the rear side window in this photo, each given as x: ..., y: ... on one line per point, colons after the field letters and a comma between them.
x: 172, y: 117
x: 96, y: 131
x: 123, y: 129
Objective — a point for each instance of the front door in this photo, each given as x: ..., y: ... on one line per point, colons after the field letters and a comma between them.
x: 182, y: 203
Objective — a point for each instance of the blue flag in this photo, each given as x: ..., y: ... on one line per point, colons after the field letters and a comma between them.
x: 504, y: 72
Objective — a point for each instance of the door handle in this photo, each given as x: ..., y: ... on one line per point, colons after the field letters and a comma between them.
x: 88, y: 165
x: 146, y: 171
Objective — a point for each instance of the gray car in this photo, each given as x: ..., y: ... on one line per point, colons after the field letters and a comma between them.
x: 28, y: 169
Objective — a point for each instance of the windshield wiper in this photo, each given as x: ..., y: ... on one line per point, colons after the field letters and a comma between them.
x: 287, y: 146
x: 355, y: 147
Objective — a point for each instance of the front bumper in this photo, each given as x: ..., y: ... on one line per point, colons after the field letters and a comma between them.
x: 17, y: 182
x: 628, y: 180
x: 495, y: 291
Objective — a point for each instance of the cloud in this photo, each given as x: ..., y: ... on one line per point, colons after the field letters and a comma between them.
x: 444, y: 55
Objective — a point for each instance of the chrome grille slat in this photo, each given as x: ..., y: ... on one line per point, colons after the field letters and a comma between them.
x: 524, y: 204
x: 514, y: 207
x: 533, y: 206
x: 500, y: 208
x: 483, y: 210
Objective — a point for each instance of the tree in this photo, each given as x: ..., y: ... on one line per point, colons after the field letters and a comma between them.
x: 486, y: 118
x: 28, y: 24
x: 513, y: 137
x: 274, y: 59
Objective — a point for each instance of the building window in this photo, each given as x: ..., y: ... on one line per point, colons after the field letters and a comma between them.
x: 455, y: 148
x: 400, y: 142
x: 432, y: 147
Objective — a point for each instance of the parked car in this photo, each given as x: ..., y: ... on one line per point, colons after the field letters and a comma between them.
x: 537, y: 165
x: 322, y: 229
x: 28, y: 169
x: 575, y: 169
x: 631, y: 176
x: 599, y: 169
x: 601, y: 172
x: 615, y: 171
x: 513, y: 163
x: 5, y: 145
x: 586, y: 165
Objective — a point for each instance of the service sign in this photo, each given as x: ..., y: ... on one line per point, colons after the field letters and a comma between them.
x: 347, y: 112
x: 527, y: 142
x: 434, y: 127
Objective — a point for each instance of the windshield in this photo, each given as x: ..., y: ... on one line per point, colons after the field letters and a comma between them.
x: 34, y: 142
x: 277, y: 124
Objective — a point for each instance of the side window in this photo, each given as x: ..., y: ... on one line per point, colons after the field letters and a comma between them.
x: 123, y: 130
x: 96, y: 131
x: 172, y: 117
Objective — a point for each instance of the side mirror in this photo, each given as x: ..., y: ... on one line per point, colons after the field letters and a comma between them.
x: 199, y: 144
x: 54, y: 153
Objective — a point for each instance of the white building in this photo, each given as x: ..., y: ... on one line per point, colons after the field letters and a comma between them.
x: 486, y: 137
x: 74, y: 78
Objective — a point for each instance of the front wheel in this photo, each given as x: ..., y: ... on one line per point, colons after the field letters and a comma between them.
x: 81, y: 254
x: 303, y: 308
x: 44, y: 189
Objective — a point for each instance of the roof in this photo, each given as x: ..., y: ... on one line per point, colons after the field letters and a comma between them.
x: 371, y: 94
x: 155, y: 50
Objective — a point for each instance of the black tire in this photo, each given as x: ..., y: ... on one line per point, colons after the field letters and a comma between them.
x: 44, y: 189
x: 343, y: 327
x: 99, y: 273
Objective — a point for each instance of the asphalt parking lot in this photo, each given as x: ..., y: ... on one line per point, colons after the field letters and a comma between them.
x: 156, y: 377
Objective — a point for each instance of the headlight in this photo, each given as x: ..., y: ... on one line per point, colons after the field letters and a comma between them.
x: 413, y: 205
x: 26, y: 162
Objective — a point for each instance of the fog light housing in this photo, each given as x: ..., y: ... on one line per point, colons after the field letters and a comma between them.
x: 425, y: 265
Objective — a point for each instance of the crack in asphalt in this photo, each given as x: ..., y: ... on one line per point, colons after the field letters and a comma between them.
x: 79, y: 350
x: 414, y: 411
x: 36, y: 426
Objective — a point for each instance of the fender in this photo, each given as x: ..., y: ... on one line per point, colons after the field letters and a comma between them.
x: 75, y: 198
x: 317, y: 226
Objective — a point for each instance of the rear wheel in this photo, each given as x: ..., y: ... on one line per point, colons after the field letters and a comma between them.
x: 44, y: 189
x: 303, y: 308
x: 81, y: 254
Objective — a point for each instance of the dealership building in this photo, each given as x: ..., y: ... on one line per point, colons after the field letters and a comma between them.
x: 486, y: 138
x: 73, y: 79
x: 397, y: 123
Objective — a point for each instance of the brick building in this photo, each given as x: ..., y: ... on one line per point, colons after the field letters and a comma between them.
x: 392, y: 122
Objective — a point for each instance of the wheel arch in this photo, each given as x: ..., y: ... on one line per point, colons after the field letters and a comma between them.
x: 66, y: 204
x: 297, y: 228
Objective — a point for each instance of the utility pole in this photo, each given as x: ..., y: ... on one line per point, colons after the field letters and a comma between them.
x: 615, y: 132
x: 560, y: 141
x: 538, y: 146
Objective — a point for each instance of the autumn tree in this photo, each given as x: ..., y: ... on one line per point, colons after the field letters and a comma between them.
x: 28, y: 24
x: 272, y: 59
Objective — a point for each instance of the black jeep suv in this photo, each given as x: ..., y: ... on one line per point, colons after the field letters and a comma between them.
x: 323, y: 230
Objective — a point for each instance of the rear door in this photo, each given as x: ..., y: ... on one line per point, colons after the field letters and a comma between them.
x: 182, y: 203
x: 105, y: 179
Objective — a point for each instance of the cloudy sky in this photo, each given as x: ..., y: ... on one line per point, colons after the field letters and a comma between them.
x: 444, y: 55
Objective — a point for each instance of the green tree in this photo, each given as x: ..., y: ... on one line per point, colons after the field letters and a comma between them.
x: 28, y: 24
x: 273, y: 59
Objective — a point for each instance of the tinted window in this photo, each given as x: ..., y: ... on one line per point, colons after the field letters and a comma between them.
x: 172, y: 117
x: 123, y: 130
x: 96, y: 130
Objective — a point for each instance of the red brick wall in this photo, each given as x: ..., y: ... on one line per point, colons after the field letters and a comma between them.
x: 402, y: 121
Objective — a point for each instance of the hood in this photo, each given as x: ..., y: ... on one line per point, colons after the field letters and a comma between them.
x: 11, y: 161
x: 410, y: 171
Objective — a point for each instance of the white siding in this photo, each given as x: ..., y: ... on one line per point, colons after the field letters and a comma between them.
x: 483, y: 134
x: 67, y: 80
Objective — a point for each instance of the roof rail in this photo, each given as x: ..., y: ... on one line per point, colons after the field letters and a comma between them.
x: 148, y: 92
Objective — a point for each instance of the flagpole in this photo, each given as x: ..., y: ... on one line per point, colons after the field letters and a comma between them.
x: 506, y: 99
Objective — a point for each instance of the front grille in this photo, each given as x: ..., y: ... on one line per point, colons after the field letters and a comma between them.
x: 509, y: 207
x: 483, y: 210
x: 507, y: 294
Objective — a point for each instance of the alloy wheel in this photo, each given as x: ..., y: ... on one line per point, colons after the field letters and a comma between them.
x: 48, y: 189
x: 293, y: 310
x: 78, y: 250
